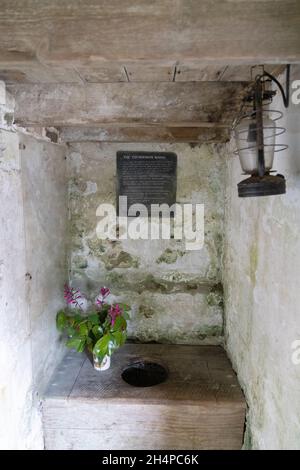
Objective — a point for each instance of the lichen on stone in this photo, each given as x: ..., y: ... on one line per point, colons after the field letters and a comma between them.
x: 96, y: 246
x: 119, y: 259
x: 146, y: 310
x: 79, y: 262
x: 169, y: 256
x: 210, y: 331
x: 215, y: 296
x: 253, y: 262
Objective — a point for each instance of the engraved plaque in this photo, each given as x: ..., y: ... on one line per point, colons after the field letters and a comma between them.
x: 147, y: 177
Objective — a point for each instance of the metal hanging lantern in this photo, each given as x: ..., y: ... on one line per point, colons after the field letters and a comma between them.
x: 255, y: 131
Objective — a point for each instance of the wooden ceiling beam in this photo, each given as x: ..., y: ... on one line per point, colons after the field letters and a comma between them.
x: 156, y: 134
x: 127, y: 103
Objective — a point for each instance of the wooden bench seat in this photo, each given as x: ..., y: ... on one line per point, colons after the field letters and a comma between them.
x: 199, y: 406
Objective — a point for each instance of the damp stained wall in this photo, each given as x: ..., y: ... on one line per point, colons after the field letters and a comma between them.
x: 262, y: 296
x: 20, y: 427
x: 45, y: 224
x: 32, y: 270
x: 176, y: 295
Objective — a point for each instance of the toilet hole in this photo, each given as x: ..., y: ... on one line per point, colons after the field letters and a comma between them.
x: 144, y: 374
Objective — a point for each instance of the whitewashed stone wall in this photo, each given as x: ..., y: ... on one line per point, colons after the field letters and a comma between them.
x: 45, y: 221
x: 262, y: 296
x: 32, y: 272
x: 176, y: 294
x: 20, y: 424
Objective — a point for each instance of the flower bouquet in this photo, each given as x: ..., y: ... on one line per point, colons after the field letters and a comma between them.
x: 99, y: 329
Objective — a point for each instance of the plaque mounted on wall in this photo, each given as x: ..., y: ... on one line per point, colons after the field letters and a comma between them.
x: 147, y: 177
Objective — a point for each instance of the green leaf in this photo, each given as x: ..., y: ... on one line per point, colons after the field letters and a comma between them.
x: 76, y: 343
x: 106, y: 325
x: 119, y: 338
x: 126, y: 315
x: 78, y: 318
x: 105, y: 307
x: 81, y: 346
x: 71, y: 331
x: 112, y: 345
x: 120, y: 324
x: 125, y: 307
x: 83, y: 329
x: 61, y: 320
x: 75, y: 334
x: 94, y: 319
x: 97, y: 331
x: 102, y: 347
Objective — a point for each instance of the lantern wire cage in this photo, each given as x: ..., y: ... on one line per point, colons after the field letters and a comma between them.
x: 247, y: 114
x: 255, y: 131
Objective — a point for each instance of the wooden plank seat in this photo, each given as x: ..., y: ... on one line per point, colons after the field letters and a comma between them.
x: 199, y: 406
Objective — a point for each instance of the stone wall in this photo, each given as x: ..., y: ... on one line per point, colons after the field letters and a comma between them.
x: 32, y: 270
x: 20, y: 425
x: 45, y: 223
x: 262, y: 296
x: 176, y: 295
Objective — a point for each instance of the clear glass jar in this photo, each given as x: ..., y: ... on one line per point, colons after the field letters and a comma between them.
x: 245, y: 136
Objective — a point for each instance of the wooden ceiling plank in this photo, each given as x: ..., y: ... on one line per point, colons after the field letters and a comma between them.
x: 241, y: 31
x: 144, y: 71
x: 198, y: 73
x: 240, y: 73
x: 104, y: 73
x: 35, y: 72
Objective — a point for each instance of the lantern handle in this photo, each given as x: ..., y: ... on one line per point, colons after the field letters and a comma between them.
x: 285, y: 94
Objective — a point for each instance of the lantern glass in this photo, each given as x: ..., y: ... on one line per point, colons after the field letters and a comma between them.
x: 245, y: 136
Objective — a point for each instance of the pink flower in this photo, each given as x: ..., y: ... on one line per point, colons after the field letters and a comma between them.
x: 73, y: 296
x: 104, y: 292
x: 114, y: 312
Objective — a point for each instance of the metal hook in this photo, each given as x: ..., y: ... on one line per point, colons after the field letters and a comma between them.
x: 285, y: 95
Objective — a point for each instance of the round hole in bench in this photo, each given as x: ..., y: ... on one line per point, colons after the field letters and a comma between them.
x: 144, y: 374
